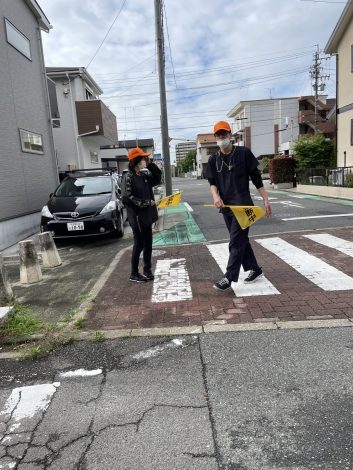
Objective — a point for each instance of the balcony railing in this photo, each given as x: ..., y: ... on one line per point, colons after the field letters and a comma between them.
x: 93, y: 115
x: 341, y: 176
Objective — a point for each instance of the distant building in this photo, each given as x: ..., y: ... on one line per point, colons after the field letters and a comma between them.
x: 269, y: 127
x: 115, y: 156
x: 83, y: 122
x: 28, y: 170
x: 182, y: 149
x: 205, y: 147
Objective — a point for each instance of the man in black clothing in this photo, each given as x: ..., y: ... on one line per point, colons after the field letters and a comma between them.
x: 138, y: 197
x: 228, y: 172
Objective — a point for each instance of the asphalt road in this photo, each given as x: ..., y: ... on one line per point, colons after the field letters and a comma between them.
x: 247, y: 401
x: 285, y: 204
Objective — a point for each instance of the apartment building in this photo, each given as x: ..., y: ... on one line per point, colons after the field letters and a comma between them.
x: 182, y: 149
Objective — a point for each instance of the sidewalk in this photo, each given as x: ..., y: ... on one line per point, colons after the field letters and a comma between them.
x: 169, y: 302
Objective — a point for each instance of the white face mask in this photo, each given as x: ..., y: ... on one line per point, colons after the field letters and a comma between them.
x: 141, y: 165
x: 223, y: 143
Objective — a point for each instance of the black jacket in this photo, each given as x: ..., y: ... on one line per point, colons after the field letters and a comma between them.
x: 137, y: 192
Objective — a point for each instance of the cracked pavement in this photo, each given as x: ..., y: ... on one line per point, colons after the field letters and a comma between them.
x: 247, y: 401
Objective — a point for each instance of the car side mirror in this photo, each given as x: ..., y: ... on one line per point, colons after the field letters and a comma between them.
x: 50, y: 195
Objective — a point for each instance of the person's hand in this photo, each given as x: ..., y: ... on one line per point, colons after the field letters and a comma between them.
x: 268, y: 208
x: 153, y: 202
x: 218, y: 202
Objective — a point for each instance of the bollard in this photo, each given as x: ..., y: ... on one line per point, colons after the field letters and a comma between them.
x: 30, y: 271
x: 5, y: 286
x: 50, y: 255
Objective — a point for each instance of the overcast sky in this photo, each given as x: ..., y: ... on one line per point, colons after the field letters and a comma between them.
x: 218, y: 53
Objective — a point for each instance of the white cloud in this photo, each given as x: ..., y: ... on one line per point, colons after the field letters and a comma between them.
x: 248, y: 38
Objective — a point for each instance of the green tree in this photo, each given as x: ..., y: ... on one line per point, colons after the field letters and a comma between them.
x: 314, y: 152
x: 187, y: 163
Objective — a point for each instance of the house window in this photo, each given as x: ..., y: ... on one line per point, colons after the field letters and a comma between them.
x: 94, y: 156
x: 30, y: 142
x: 17, y: 39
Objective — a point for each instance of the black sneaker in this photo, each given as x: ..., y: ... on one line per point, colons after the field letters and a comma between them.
x: 137, y: 278
x: 148, y: 275
x: 223, y: 284
x: 254, y: 275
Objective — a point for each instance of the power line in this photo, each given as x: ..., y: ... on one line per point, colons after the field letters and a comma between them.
x: 105, y: 37
x: 170, y: 49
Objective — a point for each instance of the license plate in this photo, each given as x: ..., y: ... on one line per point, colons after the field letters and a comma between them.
x: 72, y: 226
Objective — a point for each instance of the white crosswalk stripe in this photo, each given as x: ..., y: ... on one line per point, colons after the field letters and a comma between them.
x: 171, y: 281
x: 317, y: 271
x: 344, y: 246
x: 262, y: 286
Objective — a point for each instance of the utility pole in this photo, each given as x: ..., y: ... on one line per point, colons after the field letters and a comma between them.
x: 318, y: 81
x: 162, y: 93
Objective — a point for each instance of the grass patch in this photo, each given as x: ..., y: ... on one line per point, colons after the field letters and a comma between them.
x: 80, y: 323
x: 83, y: 297
x: 45, y: 347
x: 99, y: 336
x: 20, y: 322
x: 69, y: 315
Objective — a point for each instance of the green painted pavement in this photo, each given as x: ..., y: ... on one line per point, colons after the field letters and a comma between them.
x: 183, y: 228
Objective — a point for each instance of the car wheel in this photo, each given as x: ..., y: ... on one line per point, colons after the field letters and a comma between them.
x: 119, y: 232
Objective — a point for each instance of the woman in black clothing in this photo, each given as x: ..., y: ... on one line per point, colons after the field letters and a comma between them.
x: 138, y: 197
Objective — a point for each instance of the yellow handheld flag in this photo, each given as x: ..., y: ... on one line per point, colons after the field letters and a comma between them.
x: 170, y: 201
x: 246, y: 215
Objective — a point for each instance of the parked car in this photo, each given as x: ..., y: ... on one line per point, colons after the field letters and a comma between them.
x: 84, y: 204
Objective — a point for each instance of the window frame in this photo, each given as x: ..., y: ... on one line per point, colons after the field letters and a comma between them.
x: 26, y: 150
x: 8, y: 22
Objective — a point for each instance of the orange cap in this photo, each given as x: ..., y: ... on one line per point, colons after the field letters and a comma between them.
x: 137, y: 152
x: 221, y: 126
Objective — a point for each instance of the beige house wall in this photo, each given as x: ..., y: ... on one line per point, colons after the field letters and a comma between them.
x: 344, y: 137
x: 344, y: 98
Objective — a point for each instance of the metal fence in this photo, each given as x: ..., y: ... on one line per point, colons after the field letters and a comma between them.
x: 342, y: 176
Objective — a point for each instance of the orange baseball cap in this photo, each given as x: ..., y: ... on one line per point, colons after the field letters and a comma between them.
x: 137, y: 152
x: 221, y: 126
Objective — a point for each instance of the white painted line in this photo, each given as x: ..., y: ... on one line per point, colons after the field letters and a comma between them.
x: 189, y: 208
x: 317, y: 271
x: 171, y: 281
x: 344, y: 246
x: 81, y: 373
x: 262, y: 286
x: 4, y: 311
x: 318, y: 216
x: 156, y: 350
x: 26, y: 402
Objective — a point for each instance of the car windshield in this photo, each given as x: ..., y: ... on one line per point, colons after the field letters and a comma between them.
x: 86, y: 186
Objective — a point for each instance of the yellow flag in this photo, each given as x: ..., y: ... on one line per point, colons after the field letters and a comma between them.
x: 245, y: 215
x: 170, y: 201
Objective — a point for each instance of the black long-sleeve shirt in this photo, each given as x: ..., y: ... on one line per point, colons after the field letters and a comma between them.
x: 231, y: 174
x: 137, y: 192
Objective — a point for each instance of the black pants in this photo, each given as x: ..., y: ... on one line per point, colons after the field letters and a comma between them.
x: 142, y: 241
x: 240, y: 251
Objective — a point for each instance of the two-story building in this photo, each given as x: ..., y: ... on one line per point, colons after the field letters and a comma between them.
x: 84, y: 123
x: 341, y: 44
x: 205, y: 146
x: 28, y: 170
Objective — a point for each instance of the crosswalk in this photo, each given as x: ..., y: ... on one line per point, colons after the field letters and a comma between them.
x: 172, y: 275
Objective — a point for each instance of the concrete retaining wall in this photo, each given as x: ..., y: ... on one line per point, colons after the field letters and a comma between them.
x: 328, y: 191
x: 14, y: 230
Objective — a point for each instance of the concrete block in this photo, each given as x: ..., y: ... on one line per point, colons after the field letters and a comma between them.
x: 30, y: 271
x: 232, y: 327
x: 5, y: 286
x: 50, y: 254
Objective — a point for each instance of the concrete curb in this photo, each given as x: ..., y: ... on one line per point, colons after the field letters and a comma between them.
x: 205, y: 329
